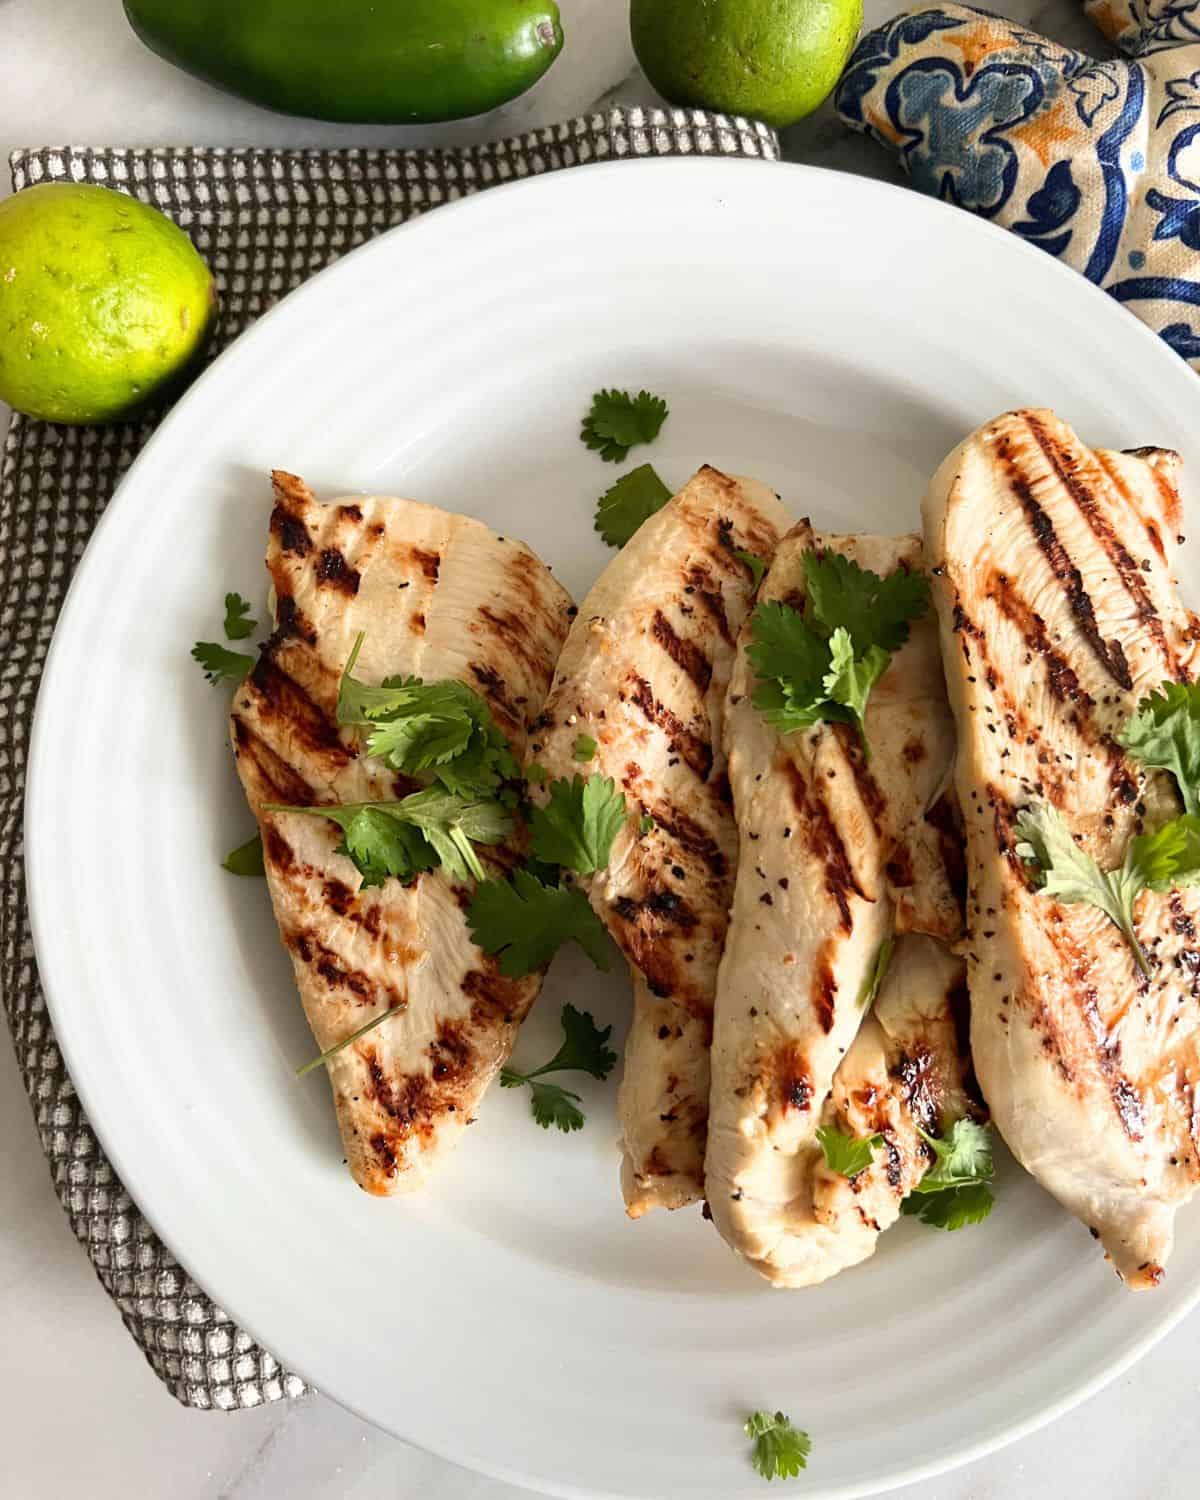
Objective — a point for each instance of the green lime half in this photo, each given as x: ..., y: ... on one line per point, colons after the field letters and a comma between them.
x: 104, y: 303
x: 774, y: 60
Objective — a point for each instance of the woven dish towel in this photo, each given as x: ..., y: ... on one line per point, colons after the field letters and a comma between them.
x: 264, y: 221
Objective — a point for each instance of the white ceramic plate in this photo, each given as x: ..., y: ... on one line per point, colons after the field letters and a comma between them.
x: 835, y: 338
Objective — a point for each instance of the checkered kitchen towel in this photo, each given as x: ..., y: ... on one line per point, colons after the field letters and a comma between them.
x: 264, y: 221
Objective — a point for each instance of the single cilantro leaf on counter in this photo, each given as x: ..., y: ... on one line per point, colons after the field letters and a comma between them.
x: 617, y: 421
x: 951, y: 1208
x: 1164, y: 735
x: 1160, y: 860
x: 220, y: 664
x: 577, y: 826
x: 238, y: 624
x: 874, y: 610
x: 877, y: 972
x: 585, y: 749
x: 525, y: 922
x: 780, y: 1450
x: 756, y: 565
x: 583, y: 1050
x: 634, y: 498
x: 246, y: 859
x: 847, y: 1154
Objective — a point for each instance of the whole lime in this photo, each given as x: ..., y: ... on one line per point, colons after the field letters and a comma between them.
x: 104, y: 303
x: 774, y: 60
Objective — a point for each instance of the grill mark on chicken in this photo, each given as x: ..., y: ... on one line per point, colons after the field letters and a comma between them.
x: 1117, y: 481
x: 700, y: 585
x: 1062, y: 681
x: 334, y: 572
x: 280, y: 780
x: 1110, y: 655
x: 496, y: 692
x: 694, y: 750
x: 294, y: 539
x: 825, y: 842
x: 282, y: 699
x: 689, y: 835
x: 429, y: 562
x: 495, y: 997
x: 332, y: 968
x: 869, y: 790
x: 290, y: 623
x: 945, y: 818
x: 685, y: 654
x: 825, y: 987
x: 795, y: 1082
x: 516, y: 635
x: 1102, y: 528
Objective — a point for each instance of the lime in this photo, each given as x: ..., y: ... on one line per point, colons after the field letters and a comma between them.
x: 104, y: 302
x: 774, y: 60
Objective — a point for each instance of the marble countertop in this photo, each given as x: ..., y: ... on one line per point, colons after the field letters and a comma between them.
x: 82, y: 1413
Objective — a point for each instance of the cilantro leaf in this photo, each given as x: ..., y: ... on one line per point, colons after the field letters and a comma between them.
x: 362, y: 1030
x: 246, y: 859
x: 955, y: 1190
x: 849, y: 680
x: 646, y: 825
x: 1070, y: 875
x: 585, y: 748
x: 551, y: 1104
x: 820, y: 663
x: 1164, y: 735
x: 418, y: 833
x: 755, y: 563
x: 441, y: 727
x: 780, y: 1450
x: 951, y: 1208
x: 220, y: 663
x: 526, y: 922
x: 791, y: 661
x: 583, y: 1050
x: 576, y: 828
x: 238, y: 624
x: 875, y: 611
x: 617, y: 421
x: 847, y: 1154
x: 634, y: 498
x: 876, y: 974
x: 535, y: 774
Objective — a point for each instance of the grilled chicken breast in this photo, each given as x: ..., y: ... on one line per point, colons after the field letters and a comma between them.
x: 438, y: 596
x: 1058, y: 612
x: 835, y: 855
x: 644, y: 674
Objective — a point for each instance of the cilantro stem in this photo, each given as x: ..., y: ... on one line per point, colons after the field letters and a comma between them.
x: 1126, y: 925
x: 370, y: 1025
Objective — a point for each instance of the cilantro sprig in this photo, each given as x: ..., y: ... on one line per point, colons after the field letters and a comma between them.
x: 218, y: 662
x: 956, y: 1190
x: 847, y: 1154
x: 617, y: 421
x: 1159, y: 861
x: 634, y: 498
x: 527, y: 920
x: 1164, y: 734
x: 754, y: 563
x: 780, y: 1450
x: 819, y: 663
x: 421, y: 831
x: 584, y: 1049
x: 443, y: 729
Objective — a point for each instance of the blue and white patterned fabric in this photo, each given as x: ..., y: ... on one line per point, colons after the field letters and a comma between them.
x: 1096, y: 162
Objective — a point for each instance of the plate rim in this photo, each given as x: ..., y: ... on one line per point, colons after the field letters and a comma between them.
x: 39, y: 882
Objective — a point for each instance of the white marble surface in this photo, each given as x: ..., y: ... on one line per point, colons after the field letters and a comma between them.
x: 80, y: 1411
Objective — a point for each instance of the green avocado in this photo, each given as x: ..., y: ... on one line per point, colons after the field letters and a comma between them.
x: 363, y: 61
